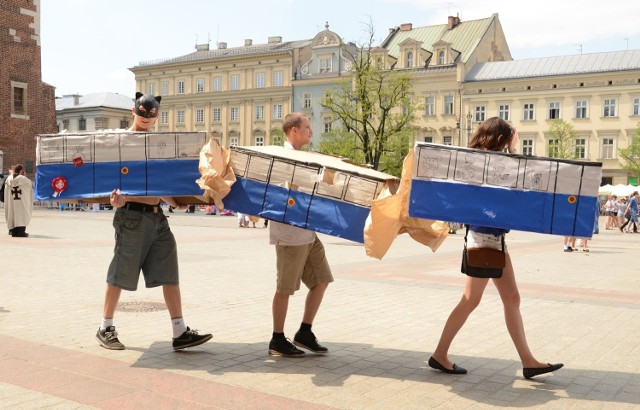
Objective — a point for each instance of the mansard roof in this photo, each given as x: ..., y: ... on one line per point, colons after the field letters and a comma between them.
x: 95, y: 100
x: 560, y: 65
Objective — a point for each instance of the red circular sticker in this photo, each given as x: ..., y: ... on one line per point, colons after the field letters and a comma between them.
x: 58, y: 184
x: 124, y: 170
x: 291, y: 202
x: 572, y: 199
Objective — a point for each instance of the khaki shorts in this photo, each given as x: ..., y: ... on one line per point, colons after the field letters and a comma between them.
x: 307, y: 263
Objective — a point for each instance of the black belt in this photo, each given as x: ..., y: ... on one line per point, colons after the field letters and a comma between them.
x: 137, y: 206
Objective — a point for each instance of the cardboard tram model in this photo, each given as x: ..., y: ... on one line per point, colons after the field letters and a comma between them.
x: 89, y: 166
x: 305, y: 189
x: 496, y: 189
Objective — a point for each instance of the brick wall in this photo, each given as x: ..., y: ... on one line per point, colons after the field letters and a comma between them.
x: 21, y: 63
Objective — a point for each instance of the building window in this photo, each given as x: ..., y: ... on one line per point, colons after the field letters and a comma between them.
x: 581, y: 109
x: 217, y: 114
x: 180, y: 117
x: 164, y: 88
x: 609, y: 107
x: 441, y: 57
x: 503, y: 112
x: 235, y: 82
x: 152, y: 88
x: 409, y: 60
x: 554, y: 110
x: 581, y: 148
x: 82, y: 124
x: 428, y: 139
x: 181, y: 87
x: 306, y: 100
x: 199, y: 115
x: 608, y: 150
x: 327, y: 125
x: 259, y: 112
x: 164, y: 118
x: 18, y: 98
x: 527, y: 147
x: 233, y: 141
x: 480, y: 113
x: 325, y: 65
x: 217, y: 84
x: 635, y: 106
x: 124, y: 124
x: 430, y: 106
x: 553, y: 149
x: 448, y: 105
x: 447, y: 140
x: 277, y: 79
x: 200, y: 85
x: 259, y: 140
x: 528, y: 112
x: 277, y: 111
x: 260, y: 80
x: 234, y: 114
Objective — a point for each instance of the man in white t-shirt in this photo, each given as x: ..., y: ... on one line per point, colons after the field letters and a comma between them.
x: 300, y: 257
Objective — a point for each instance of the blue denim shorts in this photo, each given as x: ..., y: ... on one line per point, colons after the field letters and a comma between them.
x: 144, y: 242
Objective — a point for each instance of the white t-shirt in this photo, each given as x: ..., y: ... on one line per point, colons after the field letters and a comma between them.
x: 283, y: 234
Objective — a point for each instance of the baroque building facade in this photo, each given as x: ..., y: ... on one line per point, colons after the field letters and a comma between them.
x: 28, y: 105
x: 93, y: 112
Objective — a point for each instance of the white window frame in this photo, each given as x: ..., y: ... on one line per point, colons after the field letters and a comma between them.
x: 327, y: 125
x: 200, y: 85
x: 260, y: 80
x: 180, y: 87
x: 259, y: 112
x: 582, y: 109
x: 504, y: 112
x: 528, y: 112
x: 608, y: 144
x: 164, y: 117
x: 609, y: 107
x: 277, y: 111
x: 199, y: 115
x: 164, y: 88
x: 449, y: 105
x: 151, y: 88
x: 441, y: 57
x: 234, y: 141
x: 326, y: 65
x: 430, y: 105
x: 447, y: 140
x: 234, y: 82
x: 409, y: 59
x: 306, y: 100
x: 234, y: 114
x: 480, y: 113
x: 217, y: 84
x: 180, y: 117
x: 554, y: 110
x: 216, y: 114
x: 553, y: 147
x: 527, y: 147
x: 277, y: 78
x: 581, y: 148
x: 635, y: 106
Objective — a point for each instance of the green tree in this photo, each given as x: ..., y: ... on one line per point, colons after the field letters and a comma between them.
x: 277, y: 136
x: 631, y: 154
x: 373, y: 111
x: 562, y: 143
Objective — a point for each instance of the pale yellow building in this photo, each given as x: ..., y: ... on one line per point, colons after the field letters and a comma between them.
x: 92, y: 112
x: 238, y: 95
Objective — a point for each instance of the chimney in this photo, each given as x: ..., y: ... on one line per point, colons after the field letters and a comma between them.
x: 406, y: 27
x: 248, y: 42
x: 76, y: 99
x: 274, y: 40
x: 222, y: 45
x: 452, y: 22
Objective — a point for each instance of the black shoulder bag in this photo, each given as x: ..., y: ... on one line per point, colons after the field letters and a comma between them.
x: 482, y: 262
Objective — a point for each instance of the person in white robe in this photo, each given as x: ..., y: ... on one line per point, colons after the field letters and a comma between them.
x: 18, y: 202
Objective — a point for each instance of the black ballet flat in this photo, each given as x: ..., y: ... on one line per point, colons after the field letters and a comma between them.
x: 433, y: 363
x: 530, y: 372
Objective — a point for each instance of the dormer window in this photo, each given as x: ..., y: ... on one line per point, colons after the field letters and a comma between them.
x: 325, y: 65
x: 441, y: 57
x: 409, y: 59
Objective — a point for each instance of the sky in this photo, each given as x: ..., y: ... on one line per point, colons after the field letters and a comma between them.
x: 89, y: 45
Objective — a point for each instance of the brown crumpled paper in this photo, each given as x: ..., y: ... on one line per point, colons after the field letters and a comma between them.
x: 217, y: 176
x: 389, y: 217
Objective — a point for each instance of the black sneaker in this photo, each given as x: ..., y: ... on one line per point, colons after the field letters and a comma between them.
x: 189, y: 338
x: 307, y: 340
x: 109, y: 338
x: 284, y: 347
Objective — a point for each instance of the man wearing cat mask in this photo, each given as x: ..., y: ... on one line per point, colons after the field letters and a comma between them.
x: 144, y: 242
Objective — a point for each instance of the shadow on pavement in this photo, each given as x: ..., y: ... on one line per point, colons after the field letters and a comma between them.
x: 490, y: 381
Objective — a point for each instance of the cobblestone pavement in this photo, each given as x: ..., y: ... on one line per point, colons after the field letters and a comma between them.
x: 380, y: 320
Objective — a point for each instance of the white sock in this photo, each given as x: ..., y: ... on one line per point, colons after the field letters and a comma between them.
x: 106, y: 323
x: 178, y: 327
